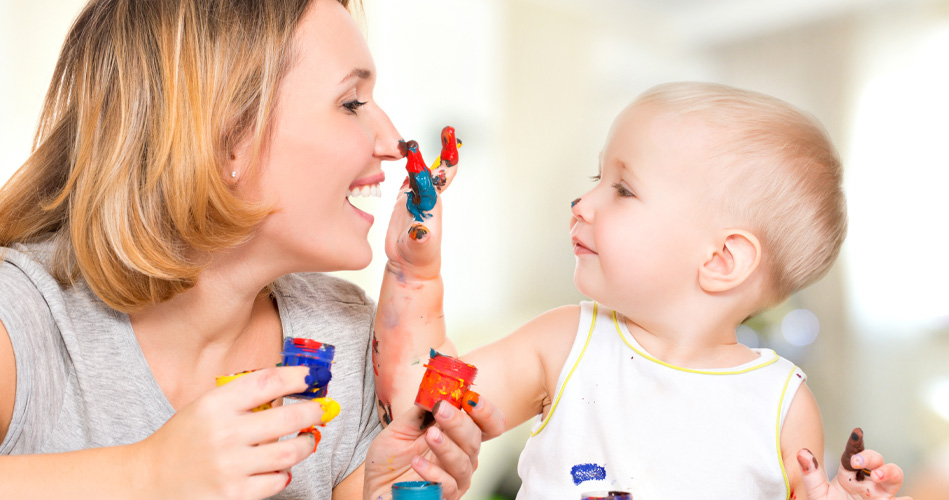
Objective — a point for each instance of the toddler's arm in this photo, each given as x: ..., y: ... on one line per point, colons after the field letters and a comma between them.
x: 802, y: 440
x: 514, y: 372
x: 519, y: 372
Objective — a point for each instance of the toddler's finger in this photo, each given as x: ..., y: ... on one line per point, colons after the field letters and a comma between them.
x: 488, y: 417
x: 815, y: 480
x: 866, y: 459
x: 889, y: 477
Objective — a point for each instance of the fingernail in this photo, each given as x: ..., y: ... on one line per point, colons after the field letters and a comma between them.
x: 857, y: 460
x: 473, y: 400
x: 436, y: 435
x: 878, y: 475
x: 319, y: 376
x: 419, y: 464
x: 330, y: 409
x: 804, y: 463
x: 441, y: 409
x: 289, y: 478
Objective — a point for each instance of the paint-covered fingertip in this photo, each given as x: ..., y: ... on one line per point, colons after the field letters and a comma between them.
x: 330, y: 409
x: 419, y: 232
x: 807, y: 461
x: 472, y: 401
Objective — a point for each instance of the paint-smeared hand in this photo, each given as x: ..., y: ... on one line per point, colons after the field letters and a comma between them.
x: 447, y: 452
x: 861, y: 474
x: 413, y: 247
x: 218, y: 447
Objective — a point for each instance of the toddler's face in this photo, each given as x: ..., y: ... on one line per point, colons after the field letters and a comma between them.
x: 638, y: 234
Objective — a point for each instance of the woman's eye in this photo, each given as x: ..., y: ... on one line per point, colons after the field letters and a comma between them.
x: 622, y: 191
x: 352, y: 106
x: 596, y: 178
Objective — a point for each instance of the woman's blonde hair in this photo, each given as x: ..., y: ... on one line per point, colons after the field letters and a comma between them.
x: 127, y: 174
x: 777, y: 175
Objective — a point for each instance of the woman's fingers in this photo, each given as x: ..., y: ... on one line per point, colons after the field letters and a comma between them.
x: 431, y: 472
x: 260, y: 387
x: 265, y: 485
x: 280, y: 455
x: 264, y: 426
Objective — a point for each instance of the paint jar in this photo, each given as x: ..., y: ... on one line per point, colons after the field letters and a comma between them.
x: 224, y: 379
x: 606, y: 495
x: 417, y: 490
x: 318, y: 356
x: 446, y: 379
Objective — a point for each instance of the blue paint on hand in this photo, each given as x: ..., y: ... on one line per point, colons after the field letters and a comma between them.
x: 587, y: 472
x: 423, y: 195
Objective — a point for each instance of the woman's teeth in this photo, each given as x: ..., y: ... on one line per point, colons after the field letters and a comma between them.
x: 374, y: 191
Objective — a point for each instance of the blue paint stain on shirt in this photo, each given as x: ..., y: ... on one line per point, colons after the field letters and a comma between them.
x: 587, y: 472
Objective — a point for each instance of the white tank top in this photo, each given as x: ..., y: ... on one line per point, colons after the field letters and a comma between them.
x: 623, y: 420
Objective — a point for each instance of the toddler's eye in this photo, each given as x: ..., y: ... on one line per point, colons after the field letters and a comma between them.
x: 622, y: 191
x: 352, y: 106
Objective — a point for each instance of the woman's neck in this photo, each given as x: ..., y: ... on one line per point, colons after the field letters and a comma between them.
x: 224, y: 324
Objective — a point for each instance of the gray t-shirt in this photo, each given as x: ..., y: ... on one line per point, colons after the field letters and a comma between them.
x: 83, y: 382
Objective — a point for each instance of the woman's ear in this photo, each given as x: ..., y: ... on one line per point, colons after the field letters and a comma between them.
x: 730, y: 262
x: 236, y: 161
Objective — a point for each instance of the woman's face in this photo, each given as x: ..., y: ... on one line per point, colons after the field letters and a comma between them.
x: 329, y: 138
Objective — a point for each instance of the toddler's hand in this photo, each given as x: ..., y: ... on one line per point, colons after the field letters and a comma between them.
x: 414, y: 248
x: 865, y: 477
x: 217, y: 447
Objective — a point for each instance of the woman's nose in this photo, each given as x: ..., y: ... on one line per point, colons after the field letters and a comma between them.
x: 387, y: 138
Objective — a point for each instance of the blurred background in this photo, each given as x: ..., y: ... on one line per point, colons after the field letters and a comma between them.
x: 532, y: 87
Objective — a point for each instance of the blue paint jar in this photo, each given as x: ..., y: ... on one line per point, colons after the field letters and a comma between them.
x: 318, y: 356
x: 606, y: 495
x: 417, y: 490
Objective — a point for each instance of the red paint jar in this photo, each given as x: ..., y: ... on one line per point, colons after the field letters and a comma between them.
x: 446, y: 379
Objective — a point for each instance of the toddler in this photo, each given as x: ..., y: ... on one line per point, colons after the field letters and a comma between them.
x: 711, y: 204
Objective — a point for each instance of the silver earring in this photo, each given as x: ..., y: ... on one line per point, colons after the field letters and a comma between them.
x: 234, y: 174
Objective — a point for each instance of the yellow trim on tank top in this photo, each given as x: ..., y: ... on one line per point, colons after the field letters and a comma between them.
x: 777, y: 432
x: 574, y: 367
x: 689, y: 370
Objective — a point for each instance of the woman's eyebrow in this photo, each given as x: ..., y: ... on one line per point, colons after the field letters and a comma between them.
x: 361, y: 73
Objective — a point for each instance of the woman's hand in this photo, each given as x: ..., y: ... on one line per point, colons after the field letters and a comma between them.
x: 447, y: 452
x: 410, y: 319
x: 414, y: 248
x: 216, y: 447
x: 867, y: 477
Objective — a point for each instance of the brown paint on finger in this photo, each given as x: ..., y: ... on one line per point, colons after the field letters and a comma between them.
x: 854, y: 446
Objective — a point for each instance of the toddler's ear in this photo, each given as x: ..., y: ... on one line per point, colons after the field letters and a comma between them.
x: 730, y: 262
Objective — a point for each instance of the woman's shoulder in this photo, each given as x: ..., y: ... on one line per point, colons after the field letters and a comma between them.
x: 23, y: 273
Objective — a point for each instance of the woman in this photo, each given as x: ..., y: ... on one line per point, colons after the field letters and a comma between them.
x: 189, y: 180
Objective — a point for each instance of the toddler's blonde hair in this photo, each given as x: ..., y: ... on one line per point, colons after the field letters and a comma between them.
x: 780, y: 178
